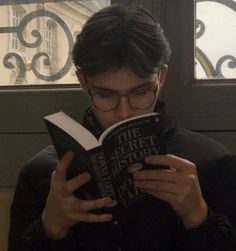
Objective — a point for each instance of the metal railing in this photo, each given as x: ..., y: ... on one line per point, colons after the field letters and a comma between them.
x: 213, y: 70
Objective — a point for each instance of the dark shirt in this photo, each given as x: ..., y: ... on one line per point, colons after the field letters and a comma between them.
x: 147, y: 225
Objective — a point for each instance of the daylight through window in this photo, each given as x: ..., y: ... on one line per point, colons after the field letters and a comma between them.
x: 37, y: 40
x: 215, y: 40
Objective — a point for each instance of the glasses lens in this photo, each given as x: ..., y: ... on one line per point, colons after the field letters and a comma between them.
x: 143, y: 99
x: 105, y: 102
x: 139, y: 99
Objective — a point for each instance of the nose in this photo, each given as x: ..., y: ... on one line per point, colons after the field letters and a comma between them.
x: 124, y: 109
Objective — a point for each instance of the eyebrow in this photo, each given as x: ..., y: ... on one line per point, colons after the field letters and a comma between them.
x: 143, y: 85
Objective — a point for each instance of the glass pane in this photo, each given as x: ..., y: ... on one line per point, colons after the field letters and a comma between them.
x: 215, y: 40
x: 37, y: 39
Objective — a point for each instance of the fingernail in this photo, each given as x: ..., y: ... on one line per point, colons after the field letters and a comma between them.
x: 107, y: 199
x: 108, y: 216
x: 110, y: 202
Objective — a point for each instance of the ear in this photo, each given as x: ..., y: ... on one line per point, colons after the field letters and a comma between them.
x: 82, y: 81
x: 162, y: 75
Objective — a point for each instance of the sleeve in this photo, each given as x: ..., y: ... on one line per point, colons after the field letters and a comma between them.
x: 218, y: 232
x: 25, y: 228
x: 34, y: 239
x: 26, y: 231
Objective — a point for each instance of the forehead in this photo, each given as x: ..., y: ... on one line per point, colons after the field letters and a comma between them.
x: 118, y: 80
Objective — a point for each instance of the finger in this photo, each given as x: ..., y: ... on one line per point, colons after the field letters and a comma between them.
x: 173, y: 161
x: 62, y: 166
x: 77, y: 182
x: 87, y: 205
x: 157, y: 186
x: 170, y: 176
x: 90, y: 217
x: 168, y: 197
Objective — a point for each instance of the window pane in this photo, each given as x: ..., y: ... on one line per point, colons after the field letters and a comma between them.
x: 215, y: 40
x: 37, y: 38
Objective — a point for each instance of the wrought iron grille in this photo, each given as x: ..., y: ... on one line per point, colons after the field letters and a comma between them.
x: 31, y: 54
x: 221, y: 35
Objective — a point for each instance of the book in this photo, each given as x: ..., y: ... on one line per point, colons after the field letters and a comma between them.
x: 113, y: 158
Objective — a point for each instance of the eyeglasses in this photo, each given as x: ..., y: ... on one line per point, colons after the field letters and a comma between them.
x: 108, y: 100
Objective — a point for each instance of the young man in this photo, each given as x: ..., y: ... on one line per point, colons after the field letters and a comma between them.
x: 120, y: 56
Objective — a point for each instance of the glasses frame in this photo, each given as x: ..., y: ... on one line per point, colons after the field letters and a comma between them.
x: 121, y: 95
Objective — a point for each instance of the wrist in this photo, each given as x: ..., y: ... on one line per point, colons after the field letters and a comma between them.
x: 53, y: 231
x: 196, y: 218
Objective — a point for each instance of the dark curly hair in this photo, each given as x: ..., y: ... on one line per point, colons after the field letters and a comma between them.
x: 120, y: 36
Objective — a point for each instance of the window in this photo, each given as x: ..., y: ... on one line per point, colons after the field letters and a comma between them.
x: 215, y: 50
x: 205, y: 104
x: 29, y: 89
x: 38, y: 31
x: 39, y: 79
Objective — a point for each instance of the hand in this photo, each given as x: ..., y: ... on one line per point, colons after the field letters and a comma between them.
x: 63, y: 209
x: 178, y: 185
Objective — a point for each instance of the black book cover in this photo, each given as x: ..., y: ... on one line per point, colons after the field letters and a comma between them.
x: 112, y: 159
